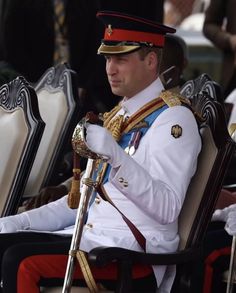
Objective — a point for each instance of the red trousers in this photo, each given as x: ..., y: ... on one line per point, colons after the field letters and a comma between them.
x: 35, y: 267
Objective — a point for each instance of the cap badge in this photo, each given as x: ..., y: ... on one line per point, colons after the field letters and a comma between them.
x: 109, y: 29
x: 176, y: 131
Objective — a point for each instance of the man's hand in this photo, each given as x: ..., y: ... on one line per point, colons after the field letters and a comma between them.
x: 101, y: 142
x: 227, y: 215
x: 230, y: 226
x: 14, y: 223
x: 223, y: 214
x: 46, y: 195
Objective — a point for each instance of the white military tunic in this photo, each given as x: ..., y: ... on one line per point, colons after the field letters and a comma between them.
x: 149, y: 188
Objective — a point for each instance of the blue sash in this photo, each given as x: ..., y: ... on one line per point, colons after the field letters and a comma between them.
x: 124, y: 141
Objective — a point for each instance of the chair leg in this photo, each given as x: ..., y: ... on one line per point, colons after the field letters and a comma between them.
x: 182, y: 281
x: 124, y: 283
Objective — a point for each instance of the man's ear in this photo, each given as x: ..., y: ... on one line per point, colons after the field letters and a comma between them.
x: 152, y: 59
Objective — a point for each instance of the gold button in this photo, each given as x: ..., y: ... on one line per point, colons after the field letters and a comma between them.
x: 90, y: 225
x: 121, y: 179
x: 97, y: 200
x: 125, y: 184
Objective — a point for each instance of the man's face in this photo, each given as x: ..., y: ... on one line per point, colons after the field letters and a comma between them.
x: 128, y: 74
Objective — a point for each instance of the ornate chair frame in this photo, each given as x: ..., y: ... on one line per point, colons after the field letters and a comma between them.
x: 21, y: 129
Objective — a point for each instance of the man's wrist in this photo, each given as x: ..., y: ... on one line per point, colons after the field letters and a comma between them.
x: 24, y: 220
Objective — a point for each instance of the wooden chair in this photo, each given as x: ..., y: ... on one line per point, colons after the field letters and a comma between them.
x: 202, y: 84
x: 198, y: 206
x: 57, y: 92
x: 21, y: 129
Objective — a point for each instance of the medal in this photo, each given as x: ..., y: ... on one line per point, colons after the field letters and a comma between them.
x: 133, y: 143
x: 132, y: 150
x: 127, y: 150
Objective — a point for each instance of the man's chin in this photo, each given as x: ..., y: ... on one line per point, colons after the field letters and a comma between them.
x: 116, y: 91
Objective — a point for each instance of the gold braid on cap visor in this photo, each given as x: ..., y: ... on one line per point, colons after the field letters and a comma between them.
x: 118, y: 49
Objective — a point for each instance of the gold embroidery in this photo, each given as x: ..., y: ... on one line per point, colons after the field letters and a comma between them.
x: 87, y: 273
x: 115, y: 126
x: 107, y: 116
x: 142, y: 113
x: 118, y: 125
x: 174, y: 99
x: 176, y: 131
x: 171, y: 99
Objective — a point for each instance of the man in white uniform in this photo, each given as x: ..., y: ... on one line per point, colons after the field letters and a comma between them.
x: 151, y: 165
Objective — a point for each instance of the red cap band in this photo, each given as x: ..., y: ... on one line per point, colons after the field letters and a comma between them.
x: 133, y: 36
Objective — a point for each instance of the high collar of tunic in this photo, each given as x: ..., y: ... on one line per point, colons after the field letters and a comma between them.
x: 133, y: 104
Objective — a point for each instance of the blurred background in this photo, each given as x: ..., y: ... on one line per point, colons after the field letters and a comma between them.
x: 187, y: 17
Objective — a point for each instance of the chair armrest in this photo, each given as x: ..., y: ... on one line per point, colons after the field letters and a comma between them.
x: 102, y: 256
x: 230, y: 187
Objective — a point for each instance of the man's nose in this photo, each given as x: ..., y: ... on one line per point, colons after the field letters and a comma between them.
x: 111, y: 67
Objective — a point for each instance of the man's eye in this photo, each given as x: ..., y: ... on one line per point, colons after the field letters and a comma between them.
x: 122, y: 59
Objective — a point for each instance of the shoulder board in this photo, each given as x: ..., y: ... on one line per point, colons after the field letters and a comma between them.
x: 173, y: 99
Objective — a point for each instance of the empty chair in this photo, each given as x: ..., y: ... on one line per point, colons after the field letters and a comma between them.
x: 21, y: 129
x: 57, y: 93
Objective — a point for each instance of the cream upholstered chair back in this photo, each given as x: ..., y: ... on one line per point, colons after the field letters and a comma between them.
x: 197, y: 187
x: 21, y: 129
x: 57, y: 93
